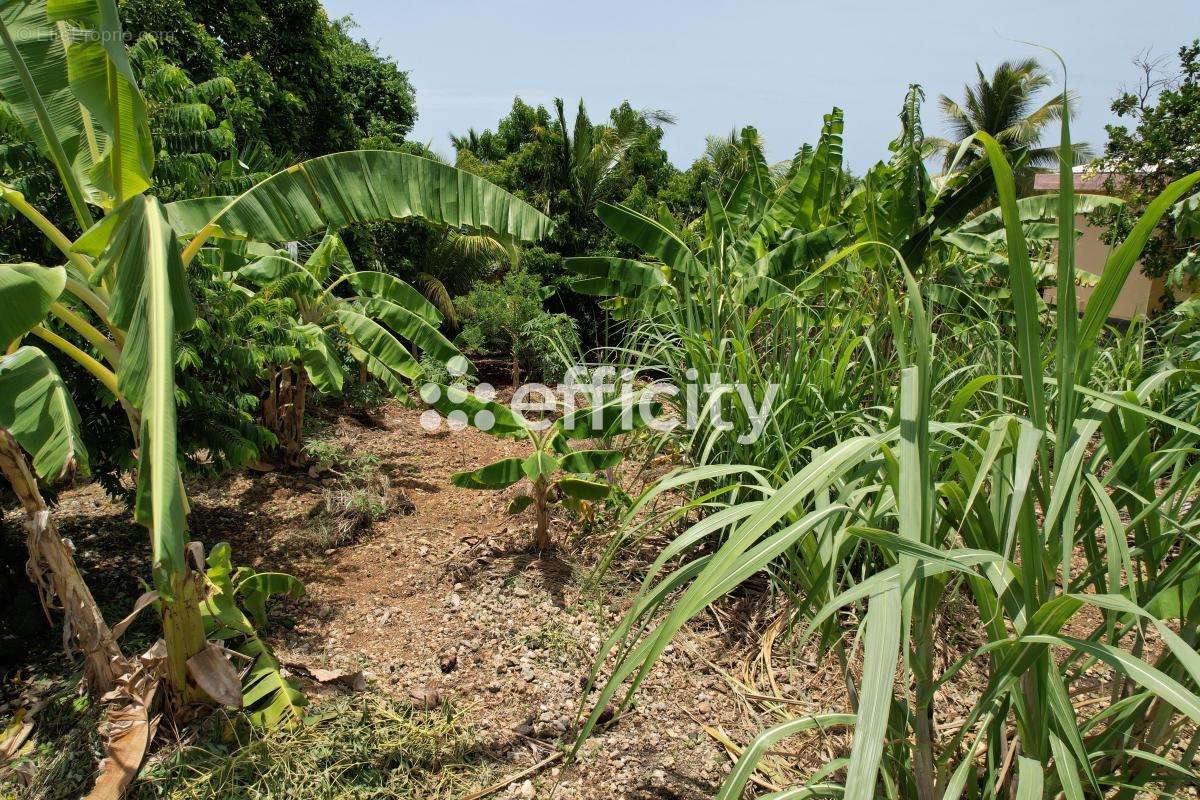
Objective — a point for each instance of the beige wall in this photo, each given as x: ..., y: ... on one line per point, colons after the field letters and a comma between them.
x: 1139, y: 295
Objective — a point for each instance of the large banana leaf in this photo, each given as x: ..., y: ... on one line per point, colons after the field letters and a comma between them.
x: 26, y: 294
x: 391, y: 288
x: 607, y: 276
x: 1034, y: 208
x: 410, y: 326
x: 333, y: 191
x: 497, y: 475
x: 34, y: 83
x: 294, y: 280
x: 652, y: 237
x: 320, y: 358
x: 377, y: 342
x: 103, y: 82
x: 36, y: 408
x: 150, y: 302
x: 189, y: 216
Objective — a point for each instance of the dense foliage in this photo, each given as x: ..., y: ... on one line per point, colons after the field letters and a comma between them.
x: 929, y: 432
x: 1159, y: 143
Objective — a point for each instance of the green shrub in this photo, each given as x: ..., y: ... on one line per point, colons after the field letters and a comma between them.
x: 507, y: 318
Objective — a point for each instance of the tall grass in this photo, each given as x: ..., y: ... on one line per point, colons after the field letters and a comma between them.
x: 1007, y: 467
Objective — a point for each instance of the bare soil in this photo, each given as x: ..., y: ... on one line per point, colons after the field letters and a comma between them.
x: 443, y: 601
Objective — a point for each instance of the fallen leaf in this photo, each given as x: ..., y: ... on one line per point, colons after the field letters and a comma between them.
x: 128, y: 732
x: 215, y: 676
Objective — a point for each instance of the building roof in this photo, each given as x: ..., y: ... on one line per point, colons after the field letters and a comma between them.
x: 1084, y: 181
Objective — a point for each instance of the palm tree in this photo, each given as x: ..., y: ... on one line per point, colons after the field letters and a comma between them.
x: 1005, y: 106
x: 589, y: 156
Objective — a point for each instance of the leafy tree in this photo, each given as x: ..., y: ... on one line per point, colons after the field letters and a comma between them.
x: 1159, y: 143
x: 312, y: 91
x: 508, y: 317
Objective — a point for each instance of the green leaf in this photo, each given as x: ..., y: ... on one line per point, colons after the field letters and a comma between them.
x: 651, y: 237
x: 410, y: 326
x: 150, y: 302
x: 293, y: 278
x: 103, y: 82
x: 490, y: 417
x: 610, y: 277
x: 375, y: 340
x: 320, y: 358
x: 1024, y: 288
x: 36, y: 87
x: 497, y: 475
x: 581, y: 462
x: 336, y: 190
x: 26, y: 294
x: 539, y: 466
x: 607, y: 419
x: 881, y: 649
x: 36, y: 408
x: 519, y: 504
x: 390, y: 288
x: 1039, y: 207
x: 1029, y: 779
x: 255, y: 589
x: 579, y: 489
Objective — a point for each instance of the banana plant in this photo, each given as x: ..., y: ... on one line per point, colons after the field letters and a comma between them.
x: 374, y: 321
x: 38, y: 417
x: 556, y: 472
x: 66, y: 76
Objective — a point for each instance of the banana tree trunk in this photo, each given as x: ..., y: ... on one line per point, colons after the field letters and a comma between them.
x: 283, y: 412
x: 183, y: 634
x: 53, y: 570
x: 542, y: 508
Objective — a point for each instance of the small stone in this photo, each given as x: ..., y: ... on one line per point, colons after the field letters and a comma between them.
x: 425, y: 697
x: 527, y: 790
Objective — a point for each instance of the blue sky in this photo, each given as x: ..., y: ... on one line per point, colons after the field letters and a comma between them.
x: 777, y: 65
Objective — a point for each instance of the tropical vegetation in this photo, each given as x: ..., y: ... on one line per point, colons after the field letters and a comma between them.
x: 210, y: 230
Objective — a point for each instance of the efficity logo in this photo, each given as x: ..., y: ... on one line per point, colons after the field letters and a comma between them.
x: 659, y: 405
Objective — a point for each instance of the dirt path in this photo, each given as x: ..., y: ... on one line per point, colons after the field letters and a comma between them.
x: 449, y: 599
x: 443, y: 598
